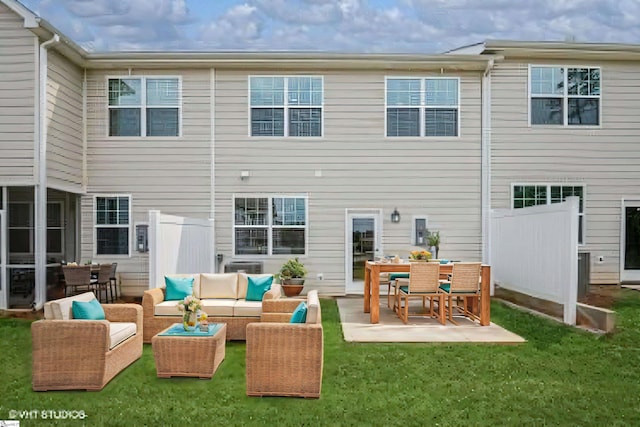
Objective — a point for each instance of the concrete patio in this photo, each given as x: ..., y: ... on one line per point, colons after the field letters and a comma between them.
x: 356, y: 327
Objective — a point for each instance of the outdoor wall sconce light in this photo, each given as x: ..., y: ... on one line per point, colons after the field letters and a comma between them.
x: 395, y: 215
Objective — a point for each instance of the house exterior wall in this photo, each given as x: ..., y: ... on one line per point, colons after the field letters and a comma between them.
x: 18, y: 83
x: 360, y: 168
x: 170, y: 174
x: 604, y: 159
x: 64, y: 124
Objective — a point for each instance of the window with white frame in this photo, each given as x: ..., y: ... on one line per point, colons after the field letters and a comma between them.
x: 525, y: 195
x: 112, y: 225
x: 286, y: 106
x: 21, y: 228
x: 144, y: 106
x: 270, y: 225
x: 422, y: 106
x: 564, y: 95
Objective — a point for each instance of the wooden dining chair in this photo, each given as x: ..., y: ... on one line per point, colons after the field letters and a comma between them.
x: 76, y: 276
x: 423, y: 283
x: 113, y: 281
x: 103, y: 282
x: 464, y: 284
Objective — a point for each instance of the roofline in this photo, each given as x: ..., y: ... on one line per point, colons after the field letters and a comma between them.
x: 563, y: 50
x: 30, y: 18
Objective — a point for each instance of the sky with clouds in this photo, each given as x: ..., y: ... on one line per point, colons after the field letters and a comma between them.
x: 387, y: 26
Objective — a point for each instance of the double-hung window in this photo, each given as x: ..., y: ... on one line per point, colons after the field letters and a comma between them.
x: 525, y: 195
x: 112, y: 225
x: 422, y: 106
x: 564, y: 96
x: 270, y: 225
x: 286, y: 106
x: 21, y: 229
x: 144, y: 106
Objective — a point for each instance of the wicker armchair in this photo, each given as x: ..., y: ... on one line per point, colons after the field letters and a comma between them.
x: 286, y: 359
x: 73, y: 354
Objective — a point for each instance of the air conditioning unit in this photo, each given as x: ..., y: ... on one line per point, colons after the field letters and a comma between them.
x: 249, y: 267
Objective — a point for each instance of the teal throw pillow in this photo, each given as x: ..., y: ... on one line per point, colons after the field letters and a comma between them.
x: 299, y: 314
x: 257, y: 287
x: 178, y: 288
x: 91, y: 310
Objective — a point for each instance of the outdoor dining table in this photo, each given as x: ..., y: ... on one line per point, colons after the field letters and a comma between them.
x: 372, y: 272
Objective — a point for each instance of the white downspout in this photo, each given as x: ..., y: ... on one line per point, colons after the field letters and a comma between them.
x: 486, y: 165
x: 40, y: 241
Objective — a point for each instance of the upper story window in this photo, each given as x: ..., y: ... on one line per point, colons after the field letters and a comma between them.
x: 422, y: 107
x: 144, y: 106
x: 286, y: 106
x: 525, y: 195
x: 270, y: 225
x: 112, y: 224
x: 564, y: 96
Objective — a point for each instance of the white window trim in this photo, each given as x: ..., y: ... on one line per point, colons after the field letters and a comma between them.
x: 96, y: 226
x: 565, y: 98
x: 423, y: 107
x: 143, y: 106
x: 286, y: 108
x: 558, y: 184
x: 269, y: 226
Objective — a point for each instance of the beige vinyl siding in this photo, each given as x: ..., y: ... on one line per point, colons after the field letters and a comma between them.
x: 170, y: 174
x: 360, y: 168
x: 18, y: 82
x: 605, y: 159
x: 64, y: 124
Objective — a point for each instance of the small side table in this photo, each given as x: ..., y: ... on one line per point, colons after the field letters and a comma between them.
x: 189, y: 354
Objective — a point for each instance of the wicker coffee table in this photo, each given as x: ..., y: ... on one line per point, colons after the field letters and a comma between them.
x: 189, y: 354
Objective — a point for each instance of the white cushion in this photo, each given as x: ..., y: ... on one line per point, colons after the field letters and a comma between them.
x: 243, y: 282
x: 167, y: 308
x: 196, y: 281
x: 244, y: 308
x: 221, y: 285
x: 219, y: 307
x: 313, y: 307
x: 60, y: 309
x: 120, y: 331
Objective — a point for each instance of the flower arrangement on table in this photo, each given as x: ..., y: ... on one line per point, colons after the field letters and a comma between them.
x: 189, y: 306
x: 420, y: 255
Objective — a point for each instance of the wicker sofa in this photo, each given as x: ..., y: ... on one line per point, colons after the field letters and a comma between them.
x: 70, y: 354
x: 286, y: 359
x: 223, y: 299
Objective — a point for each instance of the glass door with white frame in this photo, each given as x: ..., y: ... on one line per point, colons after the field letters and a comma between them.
x: 363, y: 242
x: 630, y: 241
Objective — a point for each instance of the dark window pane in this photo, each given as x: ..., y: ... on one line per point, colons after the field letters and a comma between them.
x: 546, y: 111
x: 112, y: 241
x: 441, y: 122
x: 288, y: 241
x: 54, y: 241
x: 20, y: 240
x: 124, y: 122
x: 584, y: 111
x: 267, y: 122
x: 20, y: 215
x: 305, y: 122
x: 403, y: 122
x: 54, y: 215
x: 162, y: 122
x: 251, y: 241
x: 251, y: 211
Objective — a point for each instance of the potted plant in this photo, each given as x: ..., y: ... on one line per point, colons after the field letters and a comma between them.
x: 434, y: 243
x: 292, y: 274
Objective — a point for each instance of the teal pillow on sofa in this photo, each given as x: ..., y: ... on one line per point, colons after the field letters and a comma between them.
x: 299, y: 314
x: 257, y: 287
x: 178, y: 288
x: 91, y: 310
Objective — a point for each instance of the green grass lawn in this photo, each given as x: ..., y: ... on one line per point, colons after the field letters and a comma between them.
x: 561, y: 376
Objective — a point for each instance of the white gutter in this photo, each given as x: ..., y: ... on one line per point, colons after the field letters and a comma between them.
x: 486, y: 165
x: 41, y: 182
x: 212, y: 147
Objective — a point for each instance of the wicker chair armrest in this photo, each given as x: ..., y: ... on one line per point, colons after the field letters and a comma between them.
x: 150, y: 298
x: 124, y: 313
x: 70, y: 339
x: 292, y: 341
x: 281, y: 305
x: 274, y: 293
x: 275, y: 317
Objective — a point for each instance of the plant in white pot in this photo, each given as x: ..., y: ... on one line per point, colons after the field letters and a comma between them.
x: 434, y: 243
x: 292, y: 274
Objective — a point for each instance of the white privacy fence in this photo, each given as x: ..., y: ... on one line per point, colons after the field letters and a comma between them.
x: 179, y: 245
x: 535, y: 252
